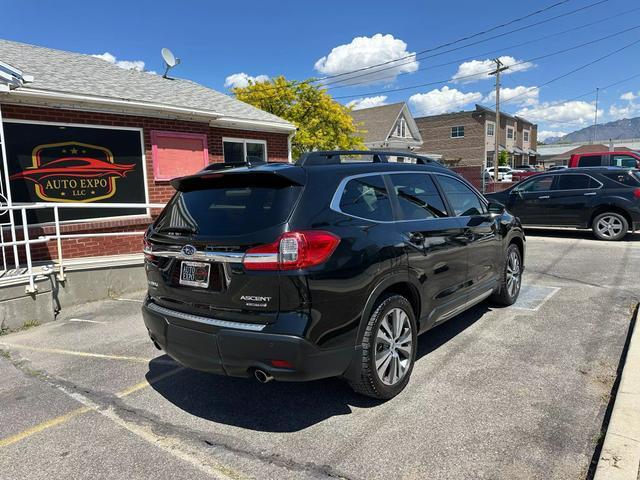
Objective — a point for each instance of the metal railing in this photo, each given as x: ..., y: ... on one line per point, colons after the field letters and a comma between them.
x: 57, y: 236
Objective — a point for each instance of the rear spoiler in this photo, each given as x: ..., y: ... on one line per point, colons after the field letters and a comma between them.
x: 269, y: 176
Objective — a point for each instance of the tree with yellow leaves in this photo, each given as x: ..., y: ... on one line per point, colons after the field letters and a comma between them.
x: 323, y: 123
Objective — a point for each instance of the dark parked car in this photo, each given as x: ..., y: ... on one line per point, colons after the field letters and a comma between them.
x: 328, y: 267
x: 605, y: 199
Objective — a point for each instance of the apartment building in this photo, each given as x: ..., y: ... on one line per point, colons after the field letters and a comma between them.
x: 466, y: 138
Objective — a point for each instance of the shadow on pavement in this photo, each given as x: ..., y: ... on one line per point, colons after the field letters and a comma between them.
x: 574, y: 234
x: 281, y: 406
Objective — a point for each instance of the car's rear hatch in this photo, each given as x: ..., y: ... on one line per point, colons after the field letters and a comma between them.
x: 195, y: 248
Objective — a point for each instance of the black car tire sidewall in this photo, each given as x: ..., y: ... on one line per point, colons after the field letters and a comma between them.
x: 396, y: 301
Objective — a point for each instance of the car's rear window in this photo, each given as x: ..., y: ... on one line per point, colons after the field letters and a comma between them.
x: 225, y: 211
x: 625, y: 178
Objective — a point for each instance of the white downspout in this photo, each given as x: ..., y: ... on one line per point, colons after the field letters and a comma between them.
x: 289, y: 155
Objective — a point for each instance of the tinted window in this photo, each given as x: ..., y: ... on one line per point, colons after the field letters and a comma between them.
x: 367, y: 197
x: 590, y: 161
x: 541, y: 184
x: 623, y: 161
x: 233, y: 152
x: 234, y: 210
x: 575, y: 182
x: 462, y: 199
x: 418, y: 196
x: 625, y: 178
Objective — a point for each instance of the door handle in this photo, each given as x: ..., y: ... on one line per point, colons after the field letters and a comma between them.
x: 544, y: 197
x: 590, y: 193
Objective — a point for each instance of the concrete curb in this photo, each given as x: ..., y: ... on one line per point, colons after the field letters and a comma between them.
x: 620, y: 455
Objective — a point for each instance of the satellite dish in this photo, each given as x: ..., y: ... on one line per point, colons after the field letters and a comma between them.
x: 169, y: 59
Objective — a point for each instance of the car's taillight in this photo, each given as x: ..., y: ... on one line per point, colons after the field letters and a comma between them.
x: 292, y: 251
x: 636, y: 192
x: 146, y: 248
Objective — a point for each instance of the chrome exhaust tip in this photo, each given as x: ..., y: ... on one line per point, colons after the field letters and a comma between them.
x: 262, y: 376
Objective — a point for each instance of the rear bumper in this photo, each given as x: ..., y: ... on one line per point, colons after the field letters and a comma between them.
x: 237, y: 352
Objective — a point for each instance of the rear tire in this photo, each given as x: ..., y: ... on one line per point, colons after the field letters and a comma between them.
x: 388, y: 349
x: 610, y: 226
x: 510, y: 279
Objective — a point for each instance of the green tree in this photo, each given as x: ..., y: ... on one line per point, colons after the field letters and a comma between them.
x: 323, y: 123
x: 503, y: 158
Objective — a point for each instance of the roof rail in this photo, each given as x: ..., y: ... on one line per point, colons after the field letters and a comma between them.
x: 335, y: 157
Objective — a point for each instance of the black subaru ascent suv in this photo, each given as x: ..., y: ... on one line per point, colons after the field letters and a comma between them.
x: 331, y: 266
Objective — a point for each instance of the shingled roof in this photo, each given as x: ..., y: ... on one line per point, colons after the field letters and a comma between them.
x: 58, y: 71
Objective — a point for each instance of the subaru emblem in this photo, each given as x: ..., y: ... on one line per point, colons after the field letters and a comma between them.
x: 188, y: 250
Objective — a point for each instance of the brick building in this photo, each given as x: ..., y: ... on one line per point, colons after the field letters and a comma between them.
x: 467, y: 138
x: 78, y: 129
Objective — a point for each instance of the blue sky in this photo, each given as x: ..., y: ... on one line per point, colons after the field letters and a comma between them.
x: 217, y: 41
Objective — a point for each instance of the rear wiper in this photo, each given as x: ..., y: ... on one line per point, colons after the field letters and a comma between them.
x: 177, y: 230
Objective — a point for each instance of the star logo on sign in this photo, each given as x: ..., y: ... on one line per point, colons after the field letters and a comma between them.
x: 74, y: 151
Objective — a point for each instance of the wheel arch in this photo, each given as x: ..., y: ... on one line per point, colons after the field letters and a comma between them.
x: 606, y: 208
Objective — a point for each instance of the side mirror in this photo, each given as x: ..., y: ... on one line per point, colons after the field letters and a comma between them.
x: 496, y: 207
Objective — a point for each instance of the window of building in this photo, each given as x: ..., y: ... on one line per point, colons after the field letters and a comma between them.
x: 401, y: 129
x: 239, y: 150
x: 418, y: 197
x: 457, y: 132
x: 176, y: 154
x: 491, y: 128
x: 462, y: 199
x: 525, y: 135
x: 509, y: 132
x: 367, y: 197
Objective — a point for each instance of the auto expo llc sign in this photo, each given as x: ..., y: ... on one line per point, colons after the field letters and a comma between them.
x: 72, y: 164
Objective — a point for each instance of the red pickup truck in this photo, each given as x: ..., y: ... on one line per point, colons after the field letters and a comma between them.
x: 618, y: 158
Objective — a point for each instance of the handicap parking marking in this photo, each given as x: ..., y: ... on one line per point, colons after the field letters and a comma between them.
x: 532, y: 297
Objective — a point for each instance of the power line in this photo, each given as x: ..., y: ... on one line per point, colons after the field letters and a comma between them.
x: 540, y: 57
x: 297, y: 82
x: 490, y: 52
x: 443, y: 45
x: 582, y: 67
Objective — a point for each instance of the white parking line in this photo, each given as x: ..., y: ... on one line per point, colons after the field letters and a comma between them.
x: 128, y: 300
x: 540, y: 303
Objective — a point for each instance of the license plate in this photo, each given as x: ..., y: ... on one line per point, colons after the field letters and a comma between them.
x: 195, y: 274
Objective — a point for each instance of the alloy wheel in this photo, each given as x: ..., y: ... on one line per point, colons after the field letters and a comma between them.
x: 514, y: 273
x: 609, y: 226
x: 393, y: 347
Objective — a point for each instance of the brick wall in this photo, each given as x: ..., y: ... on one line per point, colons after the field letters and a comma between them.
x: 159, y: 191
x: 464, y: 151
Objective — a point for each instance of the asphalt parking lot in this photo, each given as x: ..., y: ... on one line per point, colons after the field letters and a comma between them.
x: 517, y: 392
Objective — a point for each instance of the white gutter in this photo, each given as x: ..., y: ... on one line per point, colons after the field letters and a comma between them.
x: 240, y: 123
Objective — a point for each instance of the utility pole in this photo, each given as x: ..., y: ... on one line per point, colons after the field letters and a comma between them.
x: 500, y: 67
x: 595, y: 120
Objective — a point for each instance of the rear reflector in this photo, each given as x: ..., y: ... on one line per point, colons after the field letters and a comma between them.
x: 292, y: 251
x: 281, y: 364
x: 636, y: 192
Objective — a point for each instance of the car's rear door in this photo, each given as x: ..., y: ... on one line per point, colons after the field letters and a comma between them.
x: 196, y: 246
x: 434, y: 241
x: 571, y: 199
x: 480, y: 232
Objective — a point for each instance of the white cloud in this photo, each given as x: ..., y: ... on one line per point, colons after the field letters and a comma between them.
x: 137, y: 65
x: 368, y: 102
x: 627, y: 111
x: 630, y: 96
x: 365, y: 52
x: 544, y: 134
x: 241, y: 80
x: 475, y: 70
x: 521, y: 95
x: 442, y: 100
x: 574, y: 112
